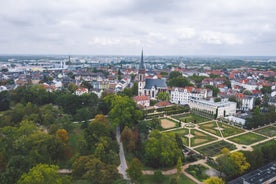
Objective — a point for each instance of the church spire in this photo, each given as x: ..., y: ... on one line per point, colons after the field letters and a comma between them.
x: 142, y: 66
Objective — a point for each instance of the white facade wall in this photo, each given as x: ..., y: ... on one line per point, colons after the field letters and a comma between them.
x: 249, y: 87
x: 221, y: 108
x: 247, y: 103
x: 181, y: 96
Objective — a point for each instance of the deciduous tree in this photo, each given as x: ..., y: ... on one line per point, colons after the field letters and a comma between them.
x: 214, y: 180
x: 135, y: 169
x: 43, y: 174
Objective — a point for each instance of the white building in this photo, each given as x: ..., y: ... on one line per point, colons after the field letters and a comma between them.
x: 181, y: 95
x: 247, y: 103
x: 218, y: 109
x: 80, y: 91
x: 246, y: 84
x: 236, y: 120
x: 144, y: 101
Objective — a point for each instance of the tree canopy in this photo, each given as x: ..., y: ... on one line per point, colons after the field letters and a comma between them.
x: 161, y: 150
x: 232, y: 164
x: 43, y: 174
x: 123, y: 111
x: 135, y: 169
x: 213, y: 180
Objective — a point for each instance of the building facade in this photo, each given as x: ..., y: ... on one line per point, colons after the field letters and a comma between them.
x: 149, y: 87
x: 218, y: 109
x: 181, y: 95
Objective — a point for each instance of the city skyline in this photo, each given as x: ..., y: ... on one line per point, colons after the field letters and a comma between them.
x: 123, y: 27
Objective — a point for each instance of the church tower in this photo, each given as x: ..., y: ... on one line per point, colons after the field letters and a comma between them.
x: 141, y: 75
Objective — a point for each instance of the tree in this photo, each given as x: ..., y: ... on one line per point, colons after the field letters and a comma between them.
x: 43, y: 174
x: 161, y: 150
x: 83, y: 114
x: 266, y: 89
x: 217, y: 99
x: 62, y: 135
x: 124, y: 111
x: 163, y: 96
x: 232, y: 163
x: 179, y: 81
x: 93, y: 169
x: 240, y: 161
x: 174, y: 74
x: 135, y: 169
x: 156, y: 123
x: 214, y: 89
x: 72, y: 87
x: 179, y: 167
x: 87, y: 85
x: 135, y: 89
x: 213, y: 180
x: 99, y: 127
x: 4, y: 101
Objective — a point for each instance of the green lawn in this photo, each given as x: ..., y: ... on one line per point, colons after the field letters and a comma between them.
x: 247, y: 139
x: 182, y: 133
x: 190, y: 118
x: 200, y: 138
x: 151, y: 179
x: 210, y: 127
x: 267, y: 143
x: 229, y: 130
x: 268, y: 131
x: 215, y: 148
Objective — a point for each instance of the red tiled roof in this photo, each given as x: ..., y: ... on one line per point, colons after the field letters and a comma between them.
x: 162, y: 104
x: 140, y: 98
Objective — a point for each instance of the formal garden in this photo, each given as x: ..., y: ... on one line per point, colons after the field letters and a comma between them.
x: 228, y: 130
x: 247, y: 138
x: 211, y: 127
x: 215, y: 148
x: 269, y: 131
x: 189, y: 117
x: 168, y: 123
x: 183, y: 132
x: 200, y: 137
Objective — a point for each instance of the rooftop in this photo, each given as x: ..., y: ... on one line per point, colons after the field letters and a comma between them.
x: 264, y: 174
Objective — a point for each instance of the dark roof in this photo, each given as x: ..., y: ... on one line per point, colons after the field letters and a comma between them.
x: 158, y: 83
x: 258, y: 176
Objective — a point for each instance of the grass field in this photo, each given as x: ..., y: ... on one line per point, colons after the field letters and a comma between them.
x: 210, y: 127
x: 267, y: 143
x: 151, y: 179
x: 229, y: 130
x: 182, y: 133
x: 215, y: 148
x: 247, y: 139
x: 200, y: 138
x: 190, y: 118
x: 268, y: 131
x: 167, y: 124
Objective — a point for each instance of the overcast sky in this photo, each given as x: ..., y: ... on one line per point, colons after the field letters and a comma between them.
x: 124, y: 27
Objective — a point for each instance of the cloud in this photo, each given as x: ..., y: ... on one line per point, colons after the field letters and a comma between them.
x: 166, y: 27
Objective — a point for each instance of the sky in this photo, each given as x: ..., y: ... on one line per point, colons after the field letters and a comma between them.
x: 125, y: 27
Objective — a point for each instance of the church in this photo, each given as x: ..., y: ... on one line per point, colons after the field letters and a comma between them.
x: 149, y: 87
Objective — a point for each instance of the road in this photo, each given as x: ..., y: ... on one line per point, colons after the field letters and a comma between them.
x: 123, y: 166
